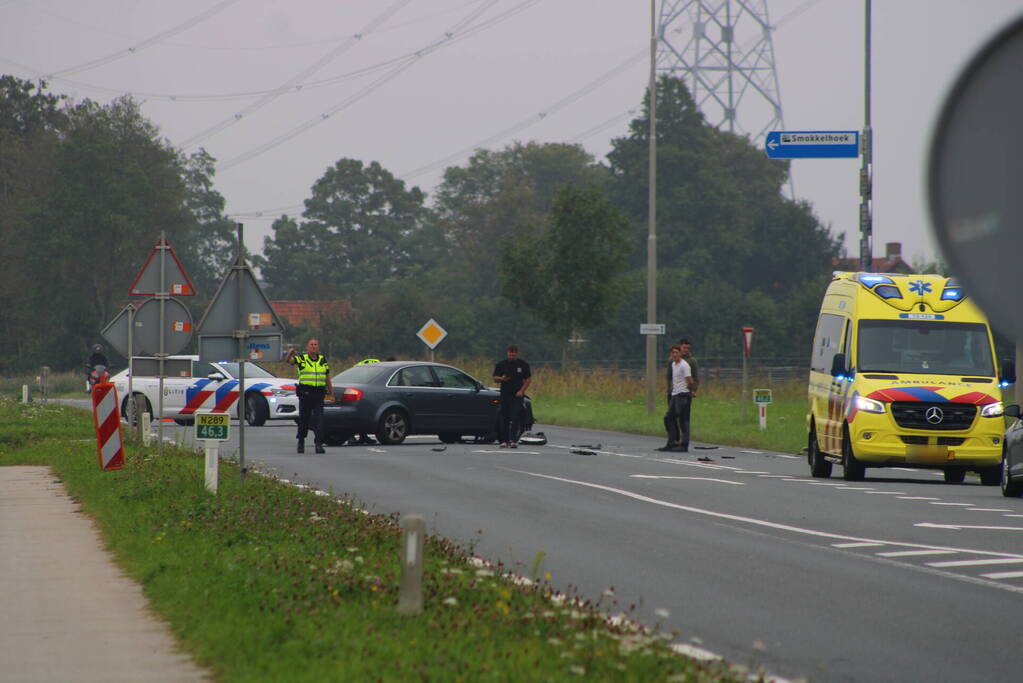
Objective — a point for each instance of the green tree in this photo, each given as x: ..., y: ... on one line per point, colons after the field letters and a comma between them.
x: 363, y: 228
x: 569, y: 275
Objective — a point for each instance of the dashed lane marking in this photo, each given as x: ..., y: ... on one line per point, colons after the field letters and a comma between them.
x: 918, y: 498
x: 954, y: 504
x: 915, y: 553
x: 956, y: 527
x: 989, y: 509
x: 887, y: 493
x: 1003, y: 575
x: 857, y: 544
x: 976, y: 563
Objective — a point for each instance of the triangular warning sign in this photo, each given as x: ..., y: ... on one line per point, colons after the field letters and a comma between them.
x: 175, y: 282
x: 253, y: 314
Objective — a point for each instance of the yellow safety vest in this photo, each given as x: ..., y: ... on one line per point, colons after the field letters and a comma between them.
x: 312, y: 373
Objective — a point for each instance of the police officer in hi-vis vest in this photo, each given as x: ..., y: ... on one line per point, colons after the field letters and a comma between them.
x: 313, y: 386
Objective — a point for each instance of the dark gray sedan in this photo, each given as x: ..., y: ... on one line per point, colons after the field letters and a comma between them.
x: 397, y: 398
x: 1012, y: 456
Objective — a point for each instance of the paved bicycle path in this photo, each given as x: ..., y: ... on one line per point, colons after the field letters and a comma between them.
x: 67, y: 612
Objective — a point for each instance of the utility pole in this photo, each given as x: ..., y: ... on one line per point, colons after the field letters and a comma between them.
x: 867, y: 154
x: 651, y: 240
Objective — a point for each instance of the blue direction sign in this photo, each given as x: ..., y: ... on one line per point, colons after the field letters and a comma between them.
x: 813, y: 144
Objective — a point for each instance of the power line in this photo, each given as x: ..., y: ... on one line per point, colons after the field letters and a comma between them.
x: 459, y: 28
x: 297, y: 78
x: 135, y: 49
x: 534, y: 118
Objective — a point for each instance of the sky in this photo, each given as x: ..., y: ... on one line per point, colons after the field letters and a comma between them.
x: 278, y: 92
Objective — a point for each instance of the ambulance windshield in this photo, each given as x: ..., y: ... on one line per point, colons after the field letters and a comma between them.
x: 924, y: 347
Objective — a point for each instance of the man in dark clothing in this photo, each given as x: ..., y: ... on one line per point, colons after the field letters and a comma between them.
x: 514, y: 377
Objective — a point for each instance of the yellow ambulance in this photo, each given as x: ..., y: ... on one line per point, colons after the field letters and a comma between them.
x: 902, y: 374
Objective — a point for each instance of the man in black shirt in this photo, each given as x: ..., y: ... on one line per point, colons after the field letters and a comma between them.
x: 514, y: 377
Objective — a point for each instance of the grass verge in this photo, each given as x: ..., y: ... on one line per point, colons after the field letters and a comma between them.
x: 713, y: 420
x: 264, y: 581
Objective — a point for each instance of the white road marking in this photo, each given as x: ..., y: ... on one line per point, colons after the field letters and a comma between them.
x: 655, y: 476
x: 887, y: 493
x: 918, y: 498
x: 861, y: 544
x: 751, y: 472
x: 1003, y: 575
x: 977, y: 563
x: 1012, y: 515
x: 790, y: 457
x: 1001, y: 556
x: 856, y: 488
x: 706, y: 466
x: 915, y: 553
x: 821, y: 483
x: 989, y: 510
x: 957, y: 504
x: 968, y: 526
x: 776, y: 476
x: 376, y: 450
x: 753, y: 452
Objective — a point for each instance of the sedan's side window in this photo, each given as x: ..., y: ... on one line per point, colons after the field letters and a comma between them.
x: 453, y: 379
x: 416, y: 376
x: 203, y: 369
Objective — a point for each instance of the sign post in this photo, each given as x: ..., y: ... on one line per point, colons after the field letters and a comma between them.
x: 432, y: 334
x: 211, y: 429
x: 747, y: 342
x: 161, y: 277
x: 762, y: 399
x: 240, y: 324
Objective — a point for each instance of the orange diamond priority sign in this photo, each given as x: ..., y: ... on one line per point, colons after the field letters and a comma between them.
x: 432, y: 333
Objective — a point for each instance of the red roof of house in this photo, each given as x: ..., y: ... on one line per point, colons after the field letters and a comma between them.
x: 311, y: 312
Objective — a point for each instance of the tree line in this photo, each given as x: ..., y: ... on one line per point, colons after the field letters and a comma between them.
x: 535, y: 243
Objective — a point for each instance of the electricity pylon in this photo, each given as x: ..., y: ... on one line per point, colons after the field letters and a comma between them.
x: 724, y: 50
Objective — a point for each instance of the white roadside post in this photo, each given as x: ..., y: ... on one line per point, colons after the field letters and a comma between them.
x: 24, y: 393
x: 762, y: 399
x: 410, y: 587
x: 211, y: 429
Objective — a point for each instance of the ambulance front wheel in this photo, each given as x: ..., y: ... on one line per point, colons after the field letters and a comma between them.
x: 852, y: 469
x: 820, y: 467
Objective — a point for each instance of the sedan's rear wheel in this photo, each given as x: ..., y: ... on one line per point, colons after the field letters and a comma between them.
x: 393, y: 427
x: 1010, y: 489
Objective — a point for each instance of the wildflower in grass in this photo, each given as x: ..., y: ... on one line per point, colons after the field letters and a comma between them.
x: 609, y: 593
x: 452, y: 602
x: 548, y: 614
x: 577, y: 670
x: 662, y: 613
x: 502, y: 608
x: 484, y: 572
x: 554, y: 641
x: 567, y: 655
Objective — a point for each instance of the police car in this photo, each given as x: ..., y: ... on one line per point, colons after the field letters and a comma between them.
x: 201, y: 386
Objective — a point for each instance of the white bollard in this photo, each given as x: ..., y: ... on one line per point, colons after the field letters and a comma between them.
x: 25, y: 398
x: 410, y: 586
x: 212, y: 465
x: 147, y: 435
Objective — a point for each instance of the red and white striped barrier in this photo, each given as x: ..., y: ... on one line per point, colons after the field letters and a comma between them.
x: 107, y: 418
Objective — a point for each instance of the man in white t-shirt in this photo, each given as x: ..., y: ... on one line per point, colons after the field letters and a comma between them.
x: 680, y: 400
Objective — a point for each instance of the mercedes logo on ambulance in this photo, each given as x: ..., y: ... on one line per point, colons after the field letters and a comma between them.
x: 934, y: 415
